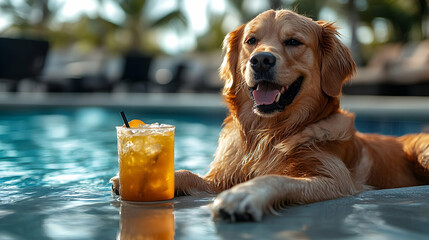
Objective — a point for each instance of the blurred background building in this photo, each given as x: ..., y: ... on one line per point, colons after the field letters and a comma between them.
x: 175, y: 45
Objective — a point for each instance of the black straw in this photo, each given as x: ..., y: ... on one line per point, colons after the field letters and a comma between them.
x: 125, y: 119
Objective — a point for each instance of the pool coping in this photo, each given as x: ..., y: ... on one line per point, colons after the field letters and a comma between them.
x: 388, y: 106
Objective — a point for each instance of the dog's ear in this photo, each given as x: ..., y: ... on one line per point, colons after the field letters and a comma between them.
x: 337, y: 65
x: 228, y: 69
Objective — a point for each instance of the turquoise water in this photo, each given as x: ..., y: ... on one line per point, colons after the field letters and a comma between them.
x: 55, y: 166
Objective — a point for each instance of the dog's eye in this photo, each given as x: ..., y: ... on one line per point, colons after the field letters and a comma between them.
x: 292, y: 42
x: 251, y: 41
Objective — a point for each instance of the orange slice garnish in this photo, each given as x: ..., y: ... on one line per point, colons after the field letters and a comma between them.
x: 135, y: 123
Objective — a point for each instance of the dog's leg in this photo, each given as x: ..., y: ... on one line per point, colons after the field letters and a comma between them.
x: 416, y: 146
x: 185, y: 183
x: 249, y: 201
x: 188, y: 183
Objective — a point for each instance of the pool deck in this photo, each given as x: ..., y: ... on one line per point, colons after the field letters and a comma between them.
x: 367, y: 105
x: 401, y: 213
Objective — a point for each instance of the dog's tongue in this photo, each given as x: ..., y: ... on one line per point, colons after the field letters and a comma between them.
x: 265, y: 94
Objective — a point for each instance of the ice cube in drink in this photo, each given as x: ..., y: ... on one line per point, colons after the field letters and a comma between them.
x: 146, y: 162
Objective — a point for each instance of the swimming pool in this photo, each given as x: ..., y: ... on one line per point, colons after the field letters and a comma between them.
x: 55, y: 166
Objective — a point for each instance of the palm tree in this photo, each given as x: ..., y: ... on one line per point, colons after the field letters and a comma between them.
x: 138, y: 25
x: 33, y: 18
x: 30, y: 17
x: 405, y: 17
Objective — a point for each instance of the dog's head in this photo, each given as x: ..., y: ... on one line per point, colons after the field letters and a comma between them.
x: 281, y: 64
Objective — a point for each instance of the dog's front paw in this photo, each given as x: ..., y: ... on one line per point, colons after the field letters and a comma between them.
x: 115, y: 184
x: 240, y: 203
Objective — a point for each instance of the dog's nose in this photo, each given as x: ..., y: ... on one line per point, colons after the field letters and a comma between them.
x: 262, y: 62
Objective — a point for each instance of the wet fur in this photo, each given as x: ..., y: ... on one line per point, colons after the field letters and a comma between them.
x: 310, y: 151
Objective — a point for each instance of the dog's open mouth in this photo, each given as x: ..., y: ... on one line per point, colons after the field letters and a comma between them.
x: 270, y: 97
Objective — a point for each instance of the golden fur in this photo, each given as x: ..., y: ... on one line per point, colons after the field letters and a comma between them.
x: 309, y: 151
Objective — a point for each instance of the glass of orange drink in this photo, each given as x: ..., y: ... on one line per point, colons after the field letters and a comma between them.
x: 146, y: 162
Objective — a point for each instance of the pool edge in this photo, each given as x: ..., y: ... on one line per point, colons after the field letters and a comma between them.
x: 389, y: 106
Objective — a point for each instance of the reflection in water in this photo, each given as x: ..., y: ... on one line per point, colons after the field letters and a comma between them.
x: 146, y: 221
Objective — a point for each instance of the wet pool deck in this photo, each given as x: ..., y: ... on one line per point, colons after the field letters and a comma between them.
x: 401, y: 213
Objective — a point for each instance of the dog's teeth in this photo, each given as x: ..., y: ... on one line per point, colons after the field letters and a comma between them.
x: 278, y: 97
x: 284, y: 89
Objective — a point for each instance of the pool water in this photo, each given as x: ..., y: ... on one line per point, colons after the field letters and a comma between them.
x: 55, y: 166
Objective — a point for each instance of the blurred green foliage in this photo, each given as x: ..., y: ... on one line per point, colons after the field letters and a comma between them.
x: 36, y: 18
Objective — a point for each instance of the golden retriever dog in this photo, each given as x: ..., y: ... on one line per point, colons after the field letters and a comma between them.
x: 286, y: 140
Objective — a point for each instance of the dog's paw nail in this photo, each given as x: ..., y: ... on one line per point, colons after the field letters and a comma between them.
x: 224, y: 214
x: 115, y: 190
